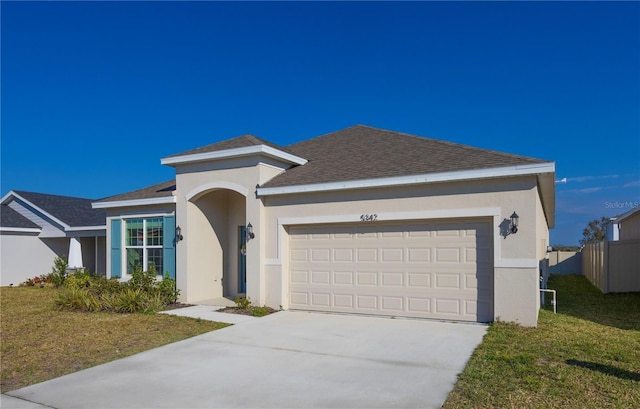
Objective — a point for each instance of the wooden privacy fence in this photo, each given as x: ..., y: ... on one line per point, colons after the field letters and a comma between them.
x: 613, y: 266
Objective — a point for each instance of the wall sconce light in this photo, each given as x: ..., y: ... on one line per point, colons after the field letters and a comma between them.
x: 178, y: 233
x: 513, y: 225
x: 250, y: 234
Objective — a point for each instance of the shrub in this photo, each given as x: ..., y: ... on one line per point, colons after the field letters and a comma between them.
x: 59, y: 270
x: 131, y: 300
x: 243, y: 303
x: 78, y: 299
x: 142, y: 293
x: 78, y: 279
x: 260, y: 311
x: 40, y: 280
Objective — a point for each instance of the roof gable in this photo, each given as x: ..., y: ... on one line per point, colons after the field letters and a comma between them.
x: 72, y: 211
x: 11, y: 218
x: 361, y: 152
x: 243, y: 141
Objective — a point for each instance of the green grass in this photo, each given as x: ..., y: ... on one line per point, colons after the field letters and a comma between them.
x: 585, y: 356
x: 39, y: 342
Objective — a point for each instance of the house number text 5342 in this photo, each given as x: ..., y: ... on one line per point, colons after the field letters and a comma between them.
x: 369, y: 217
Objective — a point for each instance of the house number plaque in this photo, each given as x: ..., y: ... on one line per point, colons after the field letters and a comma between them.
x: 369, y: 217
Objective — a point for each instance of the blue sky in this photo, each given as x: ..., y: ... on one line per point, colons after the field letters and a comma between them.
x: 95, y: 93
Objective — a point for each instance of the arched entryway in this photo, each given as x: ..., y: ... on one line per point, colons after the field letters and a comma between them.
x: 216, y: 219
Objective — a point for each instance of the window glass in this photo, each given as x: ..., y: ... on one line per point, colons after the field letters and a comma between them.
x: 154, y: 259
x: 134, y: 259
x: 154, y: 232
x: 134, y: 232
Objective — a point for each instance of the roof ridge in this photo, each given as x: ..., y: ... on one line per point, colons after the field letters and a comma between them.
x: 23, y: 192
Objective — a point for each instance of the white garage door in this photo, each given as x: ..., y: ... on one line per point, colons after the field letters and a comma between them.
x: 437, y: 269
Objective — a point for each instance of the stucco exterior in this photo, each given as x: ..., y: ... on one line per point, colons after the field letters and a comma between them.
x: 219, y: 192
x: 26, y: 255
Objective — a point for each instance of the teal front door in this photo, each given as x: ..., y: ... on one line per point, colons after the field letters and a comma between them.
x: 242, y: 259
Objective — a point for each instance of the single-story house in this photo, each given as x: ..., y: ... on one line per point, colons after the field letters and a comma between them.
x: 362, y: 220
x: 35, y: 228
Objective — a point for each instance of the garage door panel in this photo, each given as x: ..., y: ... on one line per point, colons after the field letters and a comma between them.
x: 390, y: 255
x: 392, y: 279
x: 320, y: 255
x: 320, y: 300
x: 431, y: 270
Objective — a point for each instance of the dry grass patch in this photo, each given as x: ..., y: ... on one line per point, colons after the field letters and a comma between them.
x: 586, y: 356
x: 39, y: 342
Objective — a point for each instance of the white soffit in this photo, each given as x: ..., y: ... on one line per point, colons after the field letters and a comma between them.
x: 134, y: 202
x: 233, y: 153
x: 518, y: 170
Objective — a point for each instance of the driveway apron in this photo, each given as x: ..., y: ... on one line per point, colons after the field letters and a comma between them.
x: 291, y: 359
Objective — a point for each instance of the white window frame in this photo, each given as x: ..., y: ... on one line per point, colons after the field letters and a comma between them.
x: 144, y: 246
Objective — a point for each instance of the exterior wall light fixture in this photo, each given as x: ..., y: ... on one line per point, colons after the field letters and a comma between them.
x: 178, y: 234
x: 250, y: 234
x: 513, y: 225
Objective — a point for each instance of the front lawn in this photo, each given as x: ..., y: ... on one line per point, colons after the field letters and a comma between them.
x: 39, y: 342
x: 586, y: 356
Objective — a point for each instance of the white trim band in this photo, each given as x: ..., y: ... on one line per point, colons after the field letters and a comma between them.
x: 519, y: 170
x: 20, y: 230
x: 134, y: 202
x: 232, y: 153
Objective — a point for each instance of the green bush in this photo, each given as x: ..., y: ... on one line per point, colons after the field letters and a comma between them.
x: 142, y: 293
x: 260, y: 311
x: 243, y: 303
x: 78, y: 279
x: 78, y: 299
x: 59, y: 270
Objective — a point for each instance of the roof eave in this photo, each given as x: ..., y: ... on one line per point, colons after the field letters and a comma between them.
x: 516, y: 170
x: 234, y: 153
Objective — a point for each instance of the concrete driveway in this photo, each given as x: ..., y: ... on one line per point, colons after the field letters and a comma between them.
x: 285, y: 360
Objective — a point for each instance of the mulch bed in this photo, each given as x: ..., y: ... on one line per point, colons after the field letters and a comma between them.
x: 245, y: 311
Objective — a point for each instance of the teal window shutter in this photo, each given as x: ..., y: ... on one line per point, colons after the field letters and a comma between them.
x: 116, y: 248
x: 169, y: 246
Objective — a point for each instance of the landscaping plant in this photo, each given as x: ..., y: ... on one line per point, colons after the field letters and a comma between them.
x: 142, y: 293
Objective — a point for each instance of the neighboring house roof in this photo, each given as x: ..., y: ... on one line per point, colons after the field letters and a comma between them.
x: 621, y: 217
x: 11, y: 218
x: 362, y: 152
x: 158, y: 191
x: 243, y: 141
x: 72, y: 211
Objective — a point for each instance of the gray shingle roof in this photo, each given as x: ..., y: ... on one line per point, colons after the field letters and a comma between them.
x: 11, y: 218
x: 238, y: 142
x: 74, y: 211
x: 362, y: 152
x: 164, y: 189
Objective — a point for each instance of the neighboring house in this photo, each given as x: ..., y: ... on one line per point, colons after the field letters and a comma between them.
x: 624, y: 226
x: 613, y: 265
x: 361, y: 220
x: 36, y: 227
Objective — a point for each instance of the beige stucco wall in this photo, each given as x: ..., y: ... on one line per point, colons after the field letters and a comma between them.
x: 516, y: 256
x: 24, y: 256
x: 234, y: 183
x: 213, y: 199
